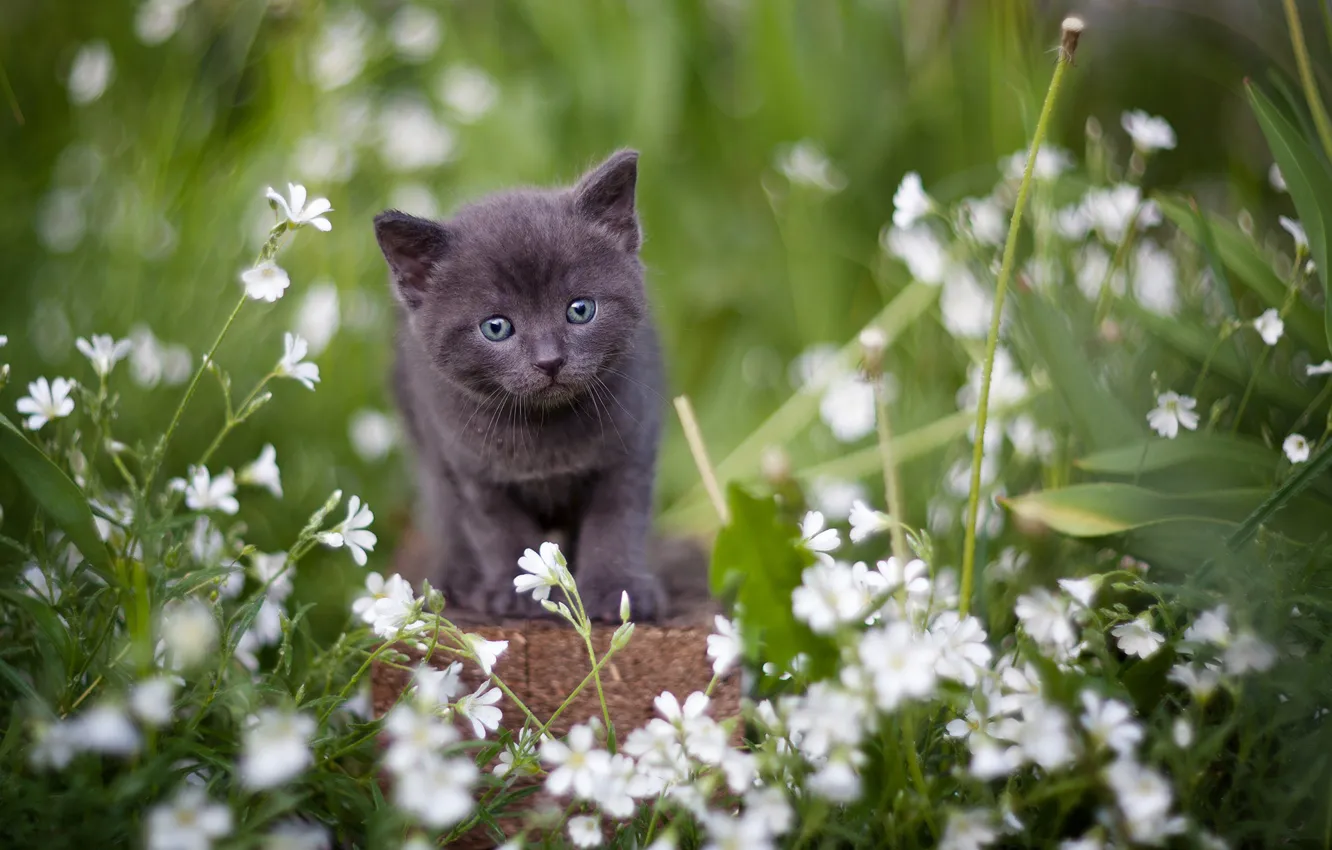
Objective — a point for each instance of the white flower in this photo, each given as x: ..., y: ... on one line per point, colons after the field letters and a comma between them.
x: 1081, y: 589
x: 103, y: 352
x: 265, y: 282
x: 469, y: 92
x: 847, y: 408
x: 815, y: 537
x: 272, y: 573
x: 989, y: 224
x: 203, y: 492
x: 373, y: 434
x: 545, y: 570
x: 151, y: 700
x: 479, y: 708
x: 1043, y: 734
x: 991, y: 759
x: 297, y: 834
x: 1274, y: 177
x: 1110, y: 723
x: 723, y: 645
x: 188, y: 822
x: 263, y: 472
x: 1181, y: 732
x: 415, y: 738
x: 1110, y: 210
x: 1045, y: 618
x: 1137, y: 638
x: 46, y: 401
x: 825, y: 718
x: 1324, y: 368
x: 93, y: 69
x: 393, y: 611
x: 438, y: 792
x: 1269, y: 326
x: 275, y: 748
x: 1149, y: 133
x: 900, y: 663
x: 293, y: 364
x: 965, y: 305
x: 806, y: 165
x: 4, y: 340
x: 189, y: 632
x: 437, y: 688
x: 836, y: 780
x: 338, y: 56
x: 364, y: 604
x: 1248, y: 652
x: 352, y: 532
x: 1210, y: 627
x: 969, y: 830
x: 828, y: 596
x: 1156, y: 279
x: 585, y: 831
x: 925, y: 256
x: 1296, y: 448
x: 910, y: 203
x: 1296, y: 231
x: 1144, y: 798
x: 297, y: 212
x: 415, y: 33
x: 579, y: 766
x: 960, y: 642
x: 1050, y: 163
x: 1007, y: 383
x: 412, y: 137
x: 1201, y: 681
x: 487, y: 652
x: 866, y: 522
x: 1172, y: 412
x: 104, y: 728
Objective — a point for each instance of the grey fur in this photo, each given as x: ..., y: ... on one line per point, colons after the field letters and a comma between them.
x: 506, y: 455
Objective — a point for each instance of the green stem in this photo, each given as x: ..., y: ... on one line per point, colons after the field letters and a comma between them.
x: 1117, y: 262
x: 160, y: 452
x: 992, y: 343
x: 892, y: 487
x: 1307, y: 78
x: 913, y: 762
x: 585, y: 629
x: 233, y: 420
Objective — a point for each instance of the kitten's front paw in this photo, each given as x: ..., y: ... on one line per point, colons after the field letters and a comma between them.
x: 601, y: 596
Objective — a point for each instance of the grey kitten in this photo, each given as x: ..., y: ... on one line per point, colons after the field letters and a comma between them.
x: 528, y: 373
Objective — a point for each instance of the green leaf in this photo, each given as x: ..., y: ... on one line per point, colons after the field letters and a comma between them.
x: 57, y: 495
x: 758, y: 557
x: 1309, y: 184
x: 1154, y: 454
x: 1241, y: 255
x: 1282, y: 495
x: 1099, y: 510
x: 1099, y: 418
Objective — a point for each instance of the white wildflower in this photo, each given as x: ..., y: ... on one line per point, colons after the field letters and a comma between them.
x: 91, y: 72
x: 866, y: 522
x: 847, y: 408
x: 805, y: 164
x: 415, y: 738
x: 265, y: 282
x: 833, y: 497
x: 415, y: 32
x: 1181, y: 732
x: 373, y: 434
x: 1110, y: 723
x: 293, y: 363
x: 104, y: 352
x: 1172, y: 412
x: 1210, y: 627
x: 438, y: 791
x: 578, y: 766
x: 353, y: 532
x: 105, y: 728
x: 1296, y: 231
x: 900, y: 663
x: 152, y: 700
x: 468, y: 92
x: 263, y: 472
x: 585, y: 831
x: 724, y: 646
x: 412, y: 137
x: 1083, y: 590
x: 910, y: 203
x: 544, y: 570
x: 1046, y: 618
x: 1274, y: 177
x: 1201, y: 681
x: 969, y: 830
x: 1136, y: 637
x: 479, y: 708
x: 815, y: 536
x: 190, y: 821
x: 1269, y: 326
x: 487, y: 652
x: 1248, y: 652
x: 318, y: 318
x: 1149, y: 132
x: 296, y: 212
x: 204, y: 492
x: 1296, y: 448
x: 962, y: 652
x: 1050, y: 163
x: 1111, y: 210
x: 828, y: 596
x: 189, y: 632
x: 436, y: 688
x: 46, y: 401
x: 275, y: 748
x: 925, y: 256
x: 1144, y: 798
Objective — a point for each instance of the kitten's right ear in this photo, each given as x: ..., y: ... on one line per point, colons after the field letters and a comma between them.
x: 412, y: 247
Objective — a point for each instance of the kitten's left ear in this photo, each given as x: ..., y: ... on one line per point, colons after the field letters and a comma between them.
x: 606, y: 196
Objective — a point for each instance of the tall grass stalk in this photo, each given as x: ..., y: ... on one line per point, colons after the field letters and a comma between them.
x: 1072, y: 29
x: 1320, y: 118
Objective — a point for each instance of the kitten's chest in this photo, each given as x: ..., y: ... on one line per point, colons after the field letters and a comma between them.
x: 504, y: 446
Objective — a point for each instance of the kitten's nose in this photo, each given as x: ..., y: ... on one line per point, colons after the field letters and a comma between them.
x: 549, y: 363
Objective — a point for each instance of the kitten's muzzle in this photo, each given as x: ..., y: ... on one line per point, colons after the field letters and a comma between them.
x: 550, y: 364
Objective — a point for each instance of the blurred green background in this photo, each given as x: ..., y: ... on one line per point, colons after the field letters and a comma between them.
x: 136, y: 140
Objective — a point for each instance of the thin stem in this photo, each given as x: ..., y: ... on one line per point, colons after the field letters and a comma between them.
x: 892, y: 485
x: 992, y: 343
x: 585, y: 629
x: 233, y: 420
x: 1320, y: 118
x: 913, y: 764
x: 160, y: 452
x: 694, y: 436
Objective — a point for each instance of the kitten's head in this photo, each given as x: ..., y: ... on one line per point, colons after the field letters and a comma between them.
x: 533, y: 293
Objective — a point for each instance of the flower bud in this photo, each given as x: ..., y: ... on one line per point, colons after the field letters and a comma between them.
x: 1068, y: 44
x: 873, y: 343
x: 624, y: 606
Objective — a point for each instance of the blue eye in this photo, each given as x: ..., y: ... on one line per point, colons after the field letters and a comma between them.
x: 581, y: 311
x: 497, y: 328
